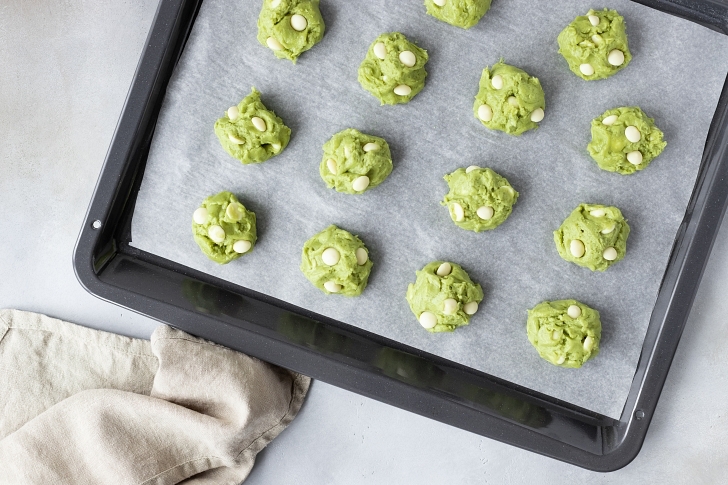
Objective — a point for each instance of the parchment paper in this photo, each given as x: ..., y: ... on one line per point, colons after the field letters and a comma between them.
x: 676, y: 77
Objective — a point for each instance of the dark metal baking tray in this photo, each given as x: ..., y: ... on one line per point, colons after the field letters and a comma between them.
x: 366, y: 363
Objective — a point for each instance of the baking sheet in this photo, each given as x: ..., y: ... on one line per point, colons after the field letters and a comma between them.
x: 672, y: 78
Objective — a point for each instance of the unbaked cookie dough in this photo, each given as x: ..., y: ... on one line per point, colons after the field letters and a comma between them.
x: 460, y: 13
x: 223, y: 228
x: 354, y: 162
x: 443, y: 297
x: 509, y: 100
x: 565, y: 332
x: 336, y: 261
x: 290, y: 27
x: 625, y: 140
x: 250, y: 132
x: 479, y: 199
x: 593, y: 236
x: 595, y: 45
x: 393, y: 69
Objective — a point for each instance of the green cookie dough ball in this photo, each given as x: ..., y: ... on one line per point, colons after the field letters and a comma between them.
x: 479, y: 199
x: 443, y: 297
x: 593, y: 236
x: 460, y: 13
x: 336, y: 261
x: 290, y: 27
x: 394, y: 69
x: 509, y: 100
x: 223, y: 228
x: 565, y: 332
x: 595, y: 45
x: 354, y: 162
x: 250, y: 132
x: 625, y: 140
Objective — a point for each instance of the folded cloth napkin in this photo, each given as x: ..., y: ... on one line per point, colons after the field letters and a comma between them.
x: 81, y: 406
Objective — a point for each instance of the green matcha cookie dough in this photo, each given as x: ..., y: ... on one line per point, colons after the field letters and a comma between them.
x: 479, y: 199
x: 336, y: 261
x: 565, y: 332
x: 593, y: 236
x: 625, y: 140
x: 443, y: 297
x: 290, y: 27
x: 595, y: 45
x: 460, y: 13
x: 394, y: 69
x: 250, y: 132
x: 223, y: 228
x: 354, y: 162
x: 509, y: 100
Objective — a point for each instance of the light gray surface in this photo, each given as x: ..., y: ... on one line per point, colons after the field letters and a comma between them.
x: 402, y: 221
x: 74, y: 61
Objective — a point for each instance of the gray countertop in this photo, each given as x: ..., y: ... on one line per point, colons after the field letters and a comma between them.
x: 64, y: 74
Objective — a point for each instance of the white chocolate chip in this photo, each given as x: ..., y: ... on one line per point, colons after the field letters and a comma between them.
x: 616, y: 57
x: 242, y: 246
x: 610, y: 120
x: 444, y: 269
x: 537, y: 115
x: 610, y: 254
x: 485, y: 113
x: 216, y: 233
x: 299, y: 23
x: 597, y: 39
x: 331, y: 165
x: 259, y: 123
x: 608, y: 230
x: 513, y: 101
x: 485, y: 212
x: 332, y: 287
x: 361, y: 256
x: 347, y: 151
x: 273, y: 44
x: 635, y: 157
x: 458, y: 212
x: 408, y: 58
x: 200, y: 216
x: 233, y: 112
x: 380, y: 50
x: 586, y: 69
x: 235, y: 139
x: 274, y: 3
x: 588, y: 343
x: 633, y: 134
x: 235, y: 212
x: 497, y: 81
x: 330, y: 256
x: 561, y: 360
x: 276, y: 147
x: 439, y: 3
x: 471, y: 307
x: 360, y: 183
x: 428, y: 320
x: 402, y: 90
x: 594, y: 20
x: 471, y: 168
x: 371, y: 147
x: 577, y: 248
x: 598, y: 213
x: 450, y: 306
x: 573, y: 311
x: 556, y: 335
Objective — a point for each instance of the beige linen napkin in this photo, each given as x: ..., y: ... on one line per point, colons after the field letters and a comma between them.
x: 81, y: 406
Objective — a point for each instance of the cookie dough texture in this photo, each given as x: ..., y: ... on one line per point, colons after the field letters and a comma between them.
x: 290, y: 27
x: 595, y: 45
x: 593, y: 236
x: 479, y: 199
x: 460, y: 13
x: 354, y: 162
x: 565, y: 332
x: 393, y: 70
x: 625, y: 140
x: 509, y: 100
x: 223, y: 228
x: 443, y: 297
x: 336, y: 261
x: 250, y: 132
